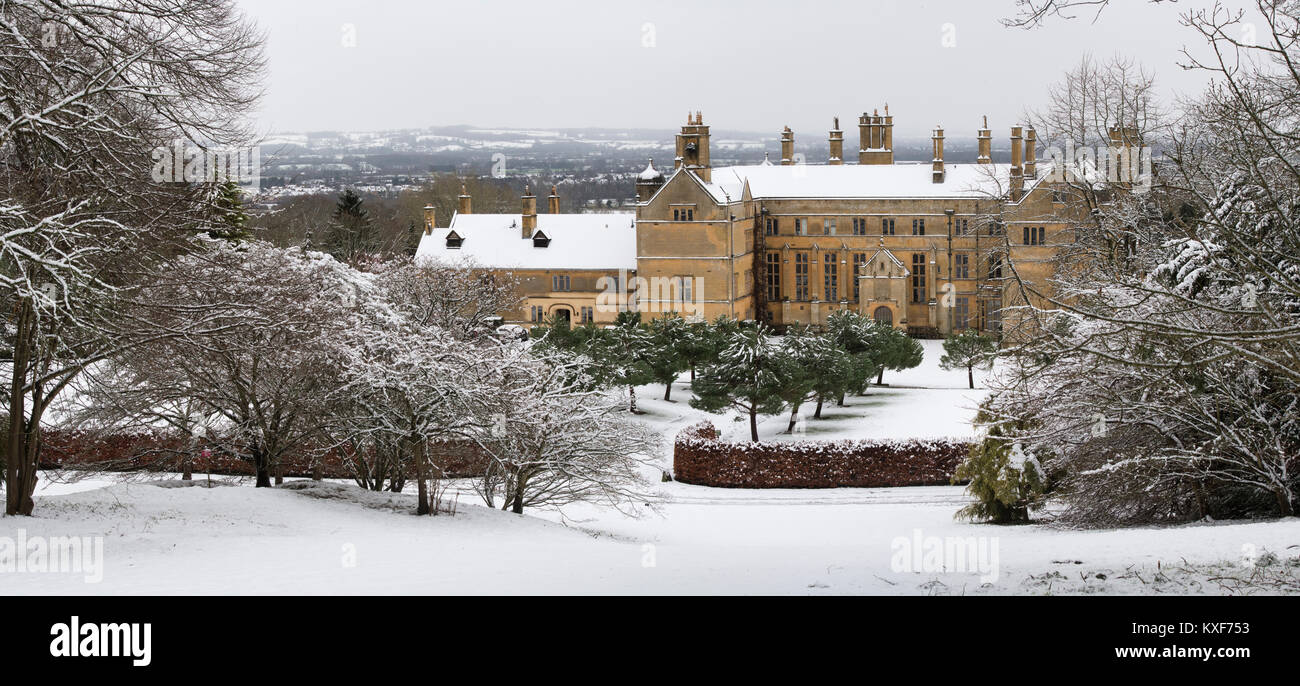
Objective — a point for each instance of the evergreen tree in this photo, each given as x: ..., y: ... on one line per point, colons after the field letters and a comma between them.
x: 698, y: 345
x: 746, y: 376
x: 229, y: 221
x: 663, y: 358
x: 351, y: 235
x: 832, y: 370
x: 968, y: 350
x: 1005, y: 480
x: 620, y: 355
x: 898, y: 351
x: 796, y: 361
x: 864, y: 340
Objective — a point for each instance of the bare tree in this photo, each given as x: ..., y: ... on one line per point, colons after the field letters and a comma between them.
x: 88, y: 91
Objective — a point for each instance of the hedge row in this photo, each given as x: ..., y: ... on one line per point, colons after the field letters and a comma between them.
x: 700, y: 458
x: 132, y: 452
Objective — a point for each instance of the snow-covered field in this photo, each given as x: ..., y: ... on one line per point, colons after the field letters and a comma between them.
x: 334, y: 538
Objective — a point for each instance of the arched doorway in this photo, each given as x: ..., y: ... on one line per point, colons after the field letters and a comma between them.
x: 563, y: 315
x: 884, y: 315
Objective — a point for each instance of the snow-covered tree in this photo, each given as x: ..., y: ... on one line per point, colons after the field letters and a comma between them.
x: 553, y: 440
x: 968, y: 350
x: 746, y: 376
x: 663, y: 360
x: 92, y: 91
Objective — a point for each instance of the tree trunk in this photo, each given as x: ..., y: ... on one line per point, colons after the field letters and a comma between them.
x: 422, y: 492
x: 818, y: 413
x: 279, y: 472
x: 18, y: 500
x: 692, y: 372
x: 1284, y: 508
x: 840, y: 402
x: 668, y: 390
x: 631, y: 394
x: 263, y: 468
x: 753, y: 425
x: 970, y: 377
x: 794, y: 419
x: 517, y: 502
x: 880, y: 377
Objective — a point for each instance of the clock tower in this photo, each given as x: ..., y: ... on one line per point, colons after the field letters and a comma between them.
x: 693, y: 147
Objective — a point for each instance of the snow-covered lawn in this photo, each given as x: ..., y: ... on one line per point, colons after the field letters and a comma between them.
x: 335, y: 538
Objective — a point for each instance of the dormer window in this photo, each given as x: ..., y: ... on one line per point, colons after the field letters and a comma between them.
x: 454, y: 240
x: 540, y: 240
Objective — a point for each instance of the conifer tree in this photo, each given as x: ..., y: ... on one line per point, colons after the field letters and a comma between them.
x: 229, y: 221
x: 351, y: 235
x: 663, y: 357
x: 968, y: 350
x: 746, y: 376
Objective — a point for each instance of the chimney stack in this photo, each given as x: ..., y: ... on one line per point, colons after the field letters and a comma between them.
x: 429, y: 219
x: 466, y: 202
x: 937, y: 173
x: 529, y: 220
x: 876, y: 138
x: 787, y: 147
x: 1031, y: 153
x: 985, y: 144
x: 837, y: 144
x: 1017, y: 160
x: 553, y: 202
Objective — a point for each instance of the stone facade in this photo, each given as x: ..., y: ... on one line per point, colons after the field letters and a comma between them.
x: 925, y: 247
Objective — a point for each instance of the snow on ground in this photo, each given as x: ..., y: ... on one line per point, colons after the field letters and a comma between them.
x: 334, y: 538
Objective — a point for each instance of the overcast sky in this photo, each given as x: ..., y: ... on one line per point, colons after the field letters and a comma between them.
x: 755, y: 65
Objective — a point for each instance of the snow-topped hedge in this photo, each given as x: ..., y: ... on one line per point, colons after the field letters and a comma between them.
x: 154, y: 452
x: 700, y: 458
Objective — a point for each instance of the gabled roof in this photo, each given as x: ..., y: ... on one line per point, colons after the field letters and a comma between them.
x: 577, y: 241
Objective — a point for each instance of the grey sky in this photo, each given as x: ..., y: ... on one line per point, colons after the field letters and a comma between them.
x: 754, y: 65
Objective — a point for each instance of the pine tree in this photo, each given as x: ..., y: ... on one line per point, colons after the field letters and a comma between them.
x: 898, y: 351
x: 968, y: 350
x: 1005, y: 480
x: 351, y: 234
x: 796, y: 362
x: 619, y: 355
x: 746, y: 376
x: 229, y: 220
x: 663, y: 356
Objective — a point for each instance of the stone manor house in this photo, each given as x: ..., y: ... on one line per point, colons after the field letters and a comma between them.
x: 923, y: 247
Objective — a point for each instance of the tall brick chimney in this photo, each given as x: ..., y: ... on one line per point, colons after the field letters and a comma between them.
x: 1017, y: 162
x: 787, y: 147
x: 553, y: 202
x: 1031, y: 154
x: 466, y: 202
x: 937, y: 172
x: 837, y: 144
x: 529, y: 220
x: 429, y: 219
x: 985, y: 144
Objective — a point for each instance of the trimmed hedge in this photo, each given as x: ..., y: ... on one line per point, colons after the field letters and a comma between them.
x: 148, y: 452
x: 700, y: 458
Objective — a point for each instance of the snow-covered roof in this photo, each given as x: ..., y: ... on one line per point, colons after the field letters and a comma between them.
x: 899, y: 180
x: 577, y: 241
x: 650, y: 173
